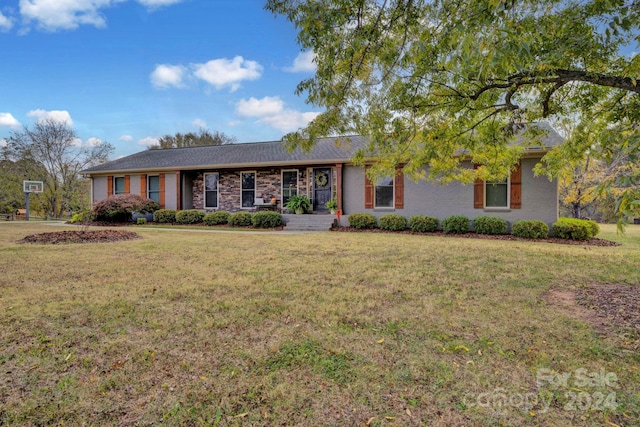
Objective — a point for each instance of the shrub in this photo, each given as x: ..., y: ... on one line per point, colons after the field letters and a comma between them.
x: 189, y: 216
x: 266, y: 219
x: 393, y: 222
x: 455, y: 224
x: 240, y: 219
x: 489, y: 225
x: 120, y: 207
x: 164, y: 216
x: 141, y: 221
x: 530, y: 229
x: 216, y: 218
x: 423, y: 223
x: 81, y: 216
x: 575, y: 229
x: 362, y: 220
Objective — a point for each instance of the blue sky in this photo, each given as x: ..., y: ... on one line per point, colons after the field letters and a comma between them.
x: 130, y: 71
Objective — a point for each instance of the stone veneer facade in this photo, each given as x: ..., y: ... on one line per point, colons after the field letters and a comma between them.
x: 268, y: 185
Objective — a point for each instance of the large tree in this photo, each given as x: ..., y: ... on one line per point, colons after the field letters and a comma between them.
x: 57, y: 156
x: 192, y: 139
x: 429, y: 79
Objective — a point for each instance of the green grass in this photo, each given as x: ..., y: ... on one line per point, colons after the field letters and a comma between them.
x: 310, y: 329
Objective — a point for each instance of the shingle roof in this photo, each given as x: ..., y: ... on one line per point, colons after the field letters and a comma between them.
x: 273, y: 153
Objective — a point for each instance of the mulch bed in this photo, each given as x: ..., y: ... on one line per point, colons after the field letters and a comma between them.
x: 591, y: 242
x: 614, y: 304
x: 93, y: 236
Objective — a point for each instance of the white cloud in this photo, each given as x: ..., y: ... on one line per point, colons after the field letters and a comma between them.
x: 91, y: 142
x: 3, y: 142
x: 57, y: 115
x: 126, y: 138
x: 166, y: 75
x: 199, y: 123
x: 6, y: 119
x: 252, y: 107
x: 53, y: 15
x: 225, y: 72
x: 5, y: 23
x: 303, y: 63
x: 157, y: 3
x: 271, y: 111
x: 148, y: 141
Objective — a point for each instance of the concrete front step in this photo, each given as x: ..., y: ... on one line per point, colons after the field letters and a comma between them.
x: 314, y: 222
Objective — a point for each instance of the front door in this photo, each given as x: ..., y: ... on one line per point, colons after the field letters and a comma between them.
x: 321, y: 188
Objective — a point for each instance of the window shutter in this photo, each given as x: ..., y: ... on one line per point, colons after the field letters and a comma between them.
x: 143, y: 185
x: 516, y: 187
x: 161, y: 179
x: 399, y: 188
x: 127, y: 184
x: 109, y: 186
x: 478, y: 192
x: 368, y: 190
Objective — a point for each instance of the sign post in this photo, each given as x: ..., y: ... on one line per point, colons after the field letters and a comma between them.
x: 30, y: 187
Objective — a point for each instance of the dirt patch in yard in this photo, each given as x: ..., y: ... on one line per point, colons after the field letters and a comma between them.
x: 94, y: 236
x: 606, y: 307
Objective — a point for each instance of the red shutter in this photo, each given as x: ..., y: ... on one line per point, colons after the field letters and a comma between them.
x: 109, y: 186
x: 368, y: 190
x: 143, y: 185
x: 399, y: 188
x: 127, y: 184
x: 161, y: 190
x: 478, y: 192
x: 516, y: 187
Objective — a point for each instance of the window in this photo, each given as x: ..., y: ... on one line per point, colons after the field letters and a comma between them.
x: 118, y: 185
x: 248, y: 192
x: 384, y: 193
x: 497, y: 194
x: 289, y: 185
x: 153, y: 188
x: 211, y: 190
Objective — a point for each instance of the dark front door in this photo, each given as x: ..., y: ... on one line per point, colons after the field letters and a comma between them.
x: 321, y: 188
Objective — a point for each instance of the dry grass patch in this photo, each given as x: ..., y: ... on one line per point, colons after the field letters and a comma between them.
x: 312, y: 329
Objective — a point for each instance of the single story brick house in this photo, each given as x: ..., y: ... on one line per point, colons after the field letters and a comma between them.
x: 231, y: 177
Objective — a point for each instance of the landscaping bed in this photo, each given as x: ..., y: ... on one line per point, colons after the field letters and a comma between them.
x: 591, y: 242
x: 73, y: 236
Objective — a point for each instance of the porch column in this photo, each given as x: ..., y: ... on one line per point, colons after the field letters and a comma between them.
x: 178, y: 191
x: 339, y: 185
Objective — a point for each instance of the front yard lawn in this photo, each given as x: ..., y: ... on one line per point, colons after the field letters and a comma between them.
x: 347, y: 329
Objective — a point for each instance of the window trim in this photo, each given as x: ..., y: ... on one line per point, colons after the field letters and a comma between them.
x: 282, y: 183
x: 115, y: 185
x: 255, y: 188
x: 507, y: 206
x: 204, y: 190
x: 393, y: 194
x: 149, y: 191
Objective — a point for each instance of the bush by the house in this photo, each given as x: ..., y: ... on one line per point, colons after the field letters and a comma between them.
x: 141, y: 221
x: 362, y: 221
x: 240, y: 219
x: 393, y: 222
x: 266, y: 219
x: 120, y: 207
x: 455, y: 224
x: 189, y: 216
x: 423, y: 223
x: 575, y: 229
x: 489, y: 225
x: 164, y: 216
x: 530, y: 229
x: 216, y: 218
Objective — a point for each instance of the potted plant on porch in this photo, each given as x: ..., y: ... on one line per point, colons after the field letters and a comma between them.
x: 298, y: 204
x: 332, y: 205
